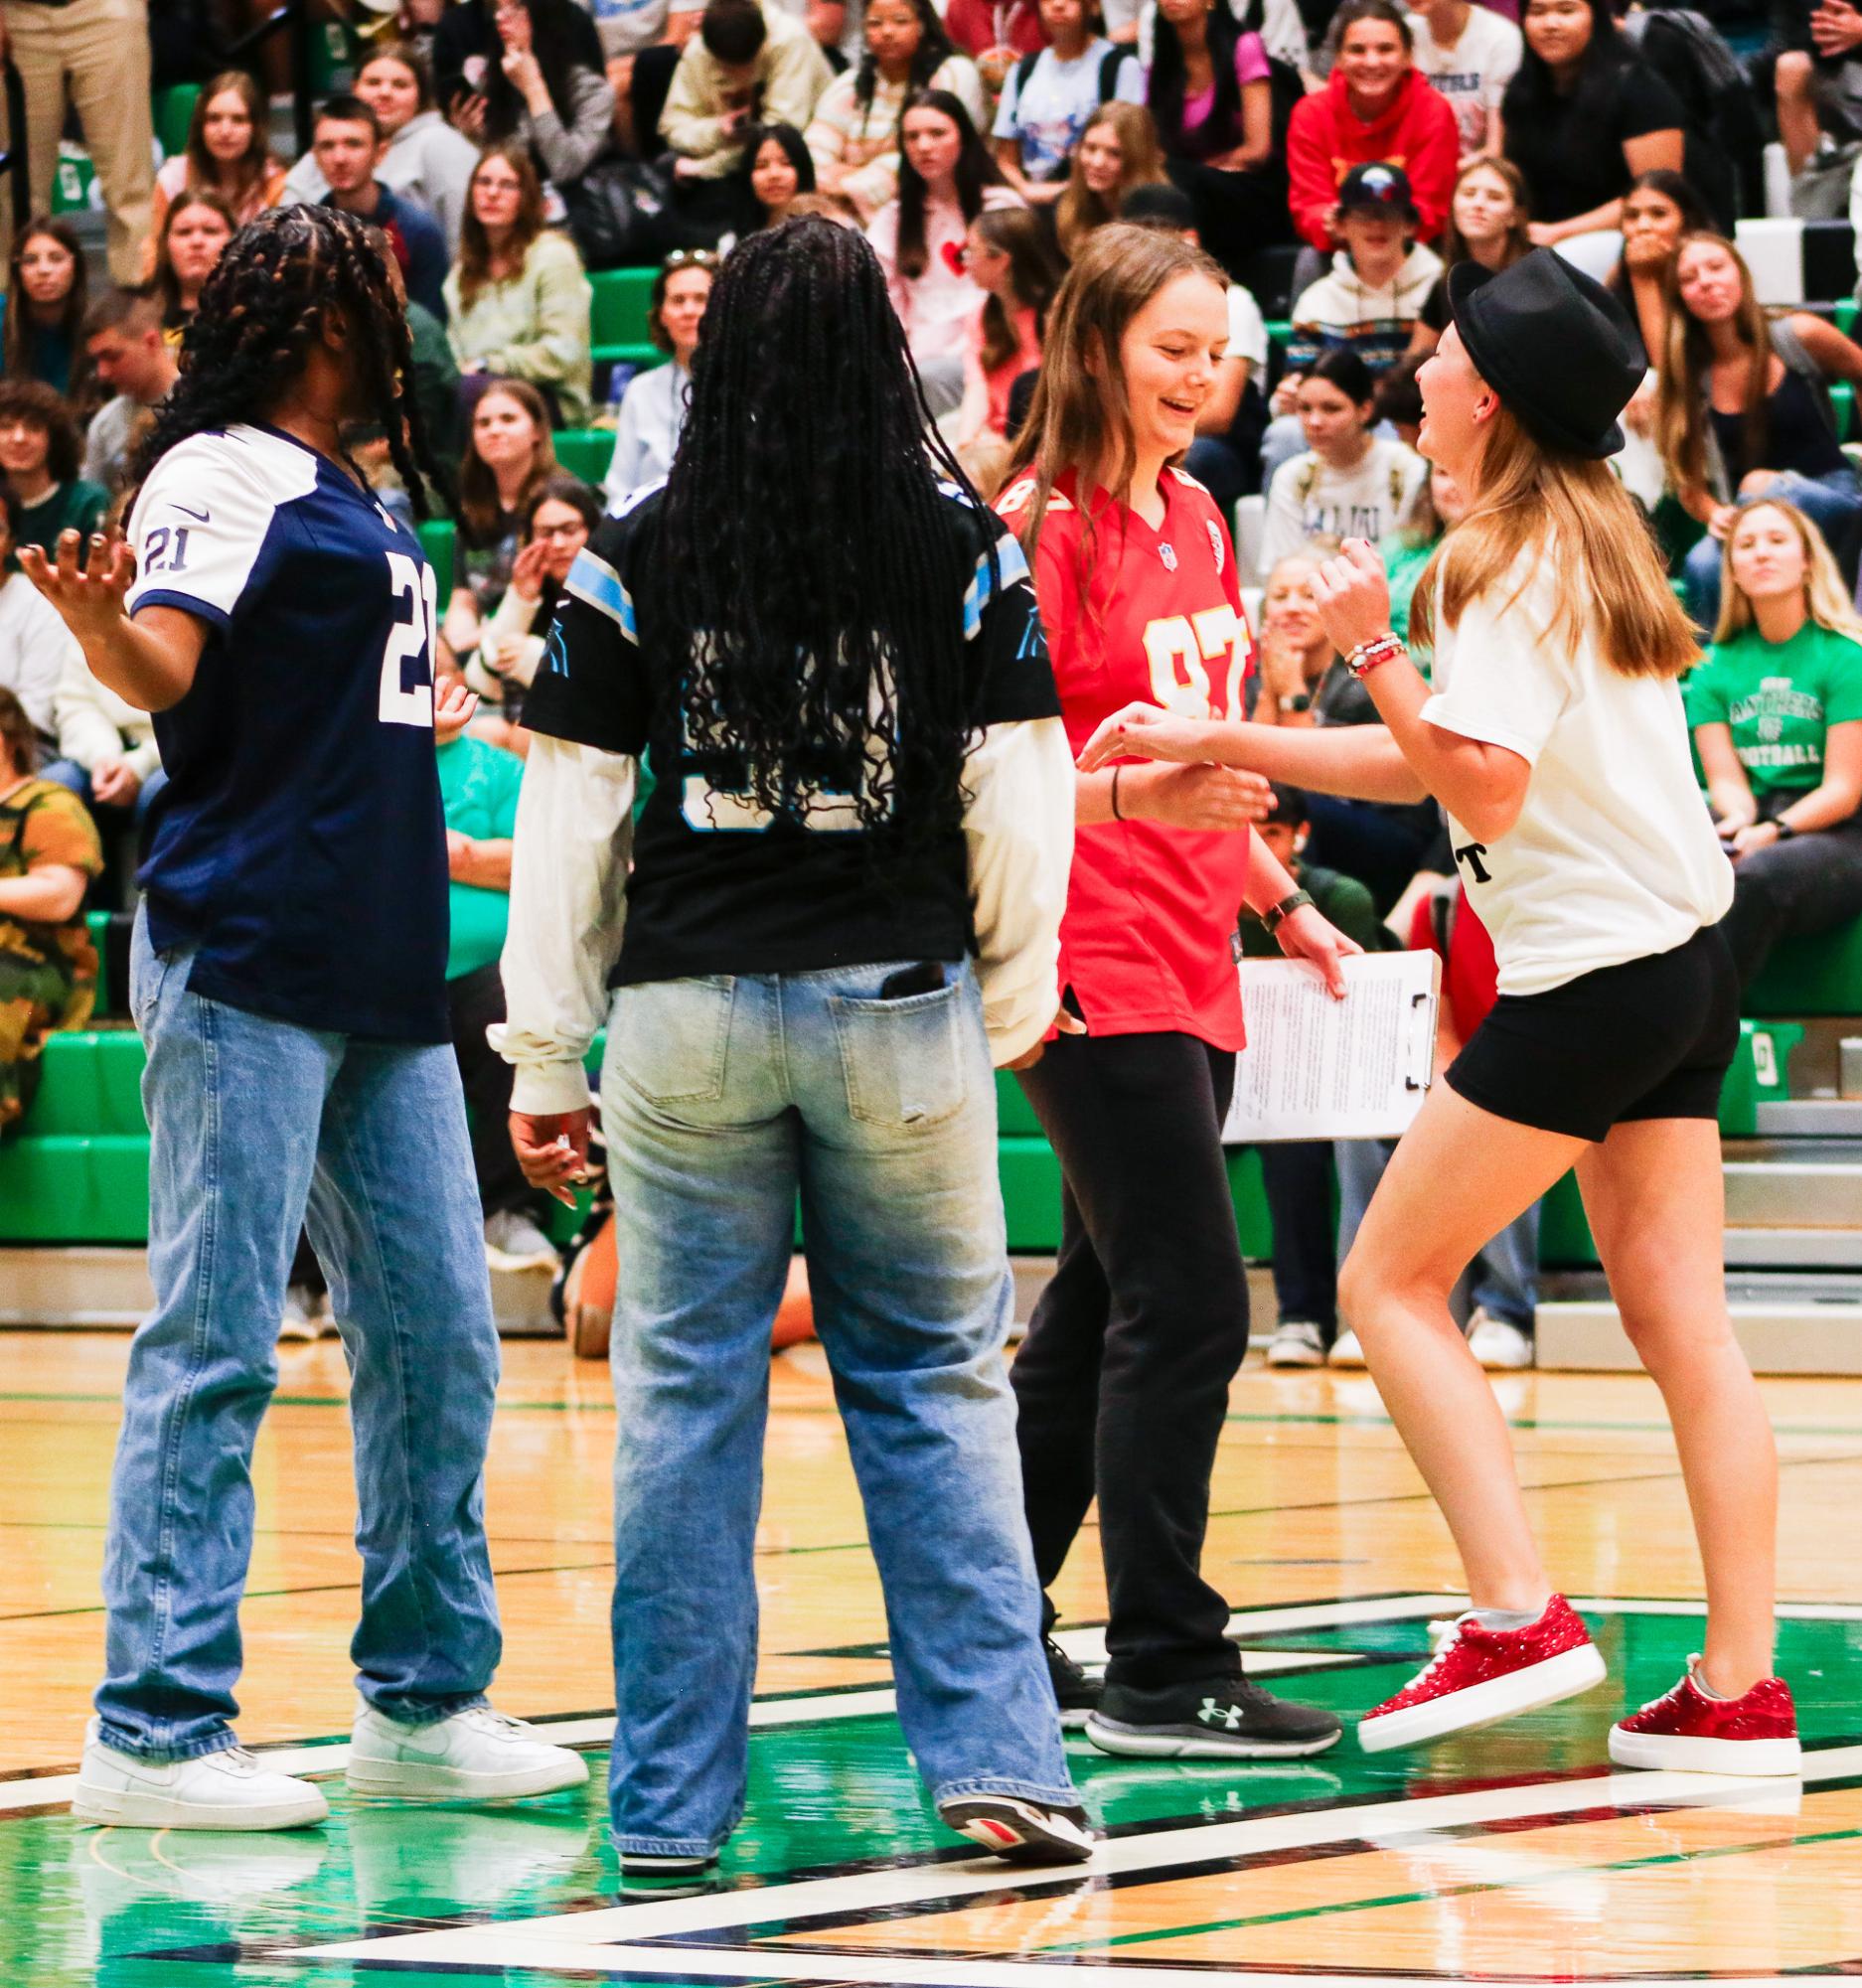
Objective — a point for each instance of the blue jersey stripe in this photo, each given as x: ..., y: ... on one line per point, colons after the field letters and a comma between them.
x: 593, y: 580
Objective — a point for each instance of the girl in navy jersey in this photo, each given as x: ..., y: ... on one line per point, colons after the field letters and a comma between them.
x: 1552, y: 733
x: 1123, y: 1382
x: 288, y: 977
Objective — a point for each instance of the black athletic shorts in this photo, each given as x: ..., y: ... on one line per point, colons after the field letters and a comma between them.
x: 1649, y: 1039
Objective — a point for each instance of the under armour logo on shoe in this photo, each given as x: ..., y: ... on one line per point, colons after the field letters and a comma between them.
x: 1215, y: 1713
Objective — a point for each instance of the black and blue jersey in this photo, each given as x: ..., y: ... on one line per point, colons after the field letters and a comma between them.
x: 299, y: 847
x: 717, y: 885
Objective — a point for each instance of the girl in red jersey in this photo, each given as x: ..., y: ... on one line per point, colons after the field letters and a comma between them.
x: 1123, y: 1382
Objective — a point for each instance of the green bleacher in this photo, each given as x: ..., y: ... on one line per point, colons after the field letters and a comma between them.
x: 77, y: 1170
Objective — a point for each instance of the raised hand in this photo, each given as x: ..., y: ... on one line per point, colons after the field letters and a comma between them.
x: 87, y: 595
x: 1144, y: 731
x: 1353, y: 595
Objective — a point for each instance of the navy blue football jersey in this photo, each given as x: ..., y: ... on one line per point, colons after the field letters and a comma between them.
x: 718, y: 886
x: 300, y: 848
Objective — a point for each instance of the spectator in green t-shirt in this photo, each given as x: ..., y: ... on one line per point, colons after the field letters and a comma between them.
x: 478, y: 786
x: 1436, y: 504
x: 1777, y: 716
x: 1297, y: 1175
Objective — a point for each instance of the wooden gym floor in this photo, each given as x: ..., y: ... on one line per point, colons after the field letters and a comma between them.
x: 1512, y: 1855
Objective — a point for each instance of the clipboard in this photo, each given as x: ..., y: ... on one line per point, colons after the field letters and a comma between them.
x: 1319, y: 1068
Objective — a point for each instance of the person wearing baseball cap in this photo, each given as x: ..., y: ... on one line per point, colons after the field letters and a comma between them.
x: 1553, y: 735
x: 1380, y: 278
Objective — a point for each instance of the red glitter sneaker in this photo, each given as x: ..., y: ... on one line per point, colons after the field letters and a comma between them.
x: 1693, y: 1733
x: 1479, y: 1676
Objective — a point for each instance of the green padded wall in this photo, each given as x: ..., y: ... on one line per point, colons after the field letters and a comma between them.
x: 1817, y: 976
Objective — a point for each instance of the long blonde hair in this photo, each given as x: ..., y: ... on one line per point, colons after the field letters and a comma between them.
x: 1076, y: 422
x: 1681, y: 391
x: 1612, y: 584
x: 1825, y: 598
x: 1079, y: 210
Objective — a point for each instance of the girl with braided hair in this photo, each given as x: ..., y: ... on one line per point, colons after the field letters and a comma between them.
x: 288, y: 977
x: 832, y: 651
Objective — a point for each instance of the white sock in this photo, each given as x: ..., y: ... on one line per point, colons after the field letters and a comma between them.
x: 1699, y: 1671
x: 1507, y: 1619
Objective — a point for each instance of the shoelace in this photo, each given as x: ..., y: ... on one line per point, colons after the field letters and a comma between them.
x: 1059, y: 1659
x: 485, y: 1720
x: 1444, y: 1633
x: 240, y: 1761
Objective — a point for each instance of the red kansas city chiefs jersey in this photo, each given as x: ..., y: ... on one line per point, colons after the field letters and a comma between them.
x: 1145, y: 943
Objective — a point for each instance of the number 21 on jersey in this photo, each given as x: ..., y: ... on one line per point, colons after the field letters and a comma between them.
x: 1186, y: 650
x: 413, y: 637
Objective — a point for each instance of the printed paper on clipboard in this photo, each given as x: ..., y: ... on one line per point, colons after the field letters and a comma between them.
x: 1318, y: 1068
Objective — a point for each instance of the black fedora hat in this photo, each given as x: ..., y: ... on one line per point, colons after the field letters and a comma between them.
x: 1553, y: 344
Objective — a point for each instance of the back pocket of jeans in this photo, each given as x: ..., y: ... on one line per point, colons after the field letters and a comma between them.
x: 672, y: 1038
x: 902, y: 1059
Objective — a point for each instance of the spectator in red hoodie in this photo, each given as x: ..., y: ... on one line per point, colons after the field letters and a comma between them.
x: 995, y: 34
x: 1377, y: 106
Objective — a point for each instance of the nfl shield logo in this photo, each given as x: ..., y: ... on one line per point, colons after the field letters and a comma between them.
x: 1167, y: 553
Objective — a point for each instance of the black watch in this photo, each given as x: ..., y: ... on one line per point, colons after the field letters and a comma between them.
x: 1783, y: 828
x: 1276, y: 915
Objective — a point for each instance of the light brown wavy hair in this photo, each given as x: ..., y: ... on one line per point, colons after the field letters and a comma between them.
x: 1076, y: 422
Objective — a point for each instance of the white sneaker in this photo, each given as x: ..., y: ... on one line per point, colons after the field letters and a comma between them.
x: 306, y: 1314
x: 513, y: 1243
x: 1297, y: 1342
x: 1346, y: 1352
x: 229, y: 1789
x: 1498, y: 1343
x: 475, y: 1756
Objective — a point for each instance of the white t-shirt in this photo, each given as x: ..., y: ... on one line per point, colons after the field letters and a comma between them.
x: 1050, y: 115
x: 1475, y: 72
x: 1308, y: 499
x: 1247, y: 330
x: 1613, y: 857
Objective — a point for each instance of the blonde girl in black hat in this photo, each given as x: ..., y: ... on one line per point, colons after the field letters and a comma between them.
x: 1552, y: 733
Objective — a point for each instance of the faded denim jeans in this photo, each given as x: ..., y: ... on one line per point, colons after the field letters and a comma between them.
x: 726, y: 1101
x: 257, y: 1126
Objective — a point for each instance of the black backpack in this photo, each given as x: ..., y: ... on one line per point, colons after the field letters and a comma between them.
x: 1725, y: 142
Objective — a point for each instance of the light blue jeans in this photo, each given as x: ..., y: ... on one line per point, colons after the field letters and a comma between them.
x: 252, y: 1122
x: 724, y: 1101
x: 1504, y: 1275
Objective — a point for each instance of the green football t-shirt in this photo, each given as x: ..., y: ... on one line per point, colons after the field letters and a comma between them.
x: 1779, y: 698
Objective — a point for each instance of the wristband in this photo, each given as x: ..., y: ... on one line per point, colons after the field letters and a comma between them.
x: 1367, y: 655
x: 1783, y: 828
x: 1276, y: 915
x: 1116, y: 816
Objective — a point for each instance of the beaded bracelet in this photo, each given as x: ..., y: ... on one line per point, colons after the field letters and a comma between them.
x: 1367, y: 655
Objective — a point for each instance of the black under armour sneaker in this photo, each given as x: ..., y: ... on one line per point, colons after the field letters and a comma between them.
x: 1075, y: 1693
x: 1219, y: 1718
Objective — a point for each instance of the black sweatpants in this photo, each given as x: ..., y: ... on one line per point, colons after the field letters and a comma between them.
x: 1122, y: 1383
x: 477, y: 999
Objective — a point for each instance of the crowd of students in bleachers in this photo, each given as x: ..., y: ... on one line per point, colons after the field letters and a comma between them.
x: 506, y: 149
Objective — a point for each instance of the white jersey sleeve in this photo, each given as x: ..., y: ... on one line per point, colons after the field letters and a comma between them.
x: 204, y: 515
